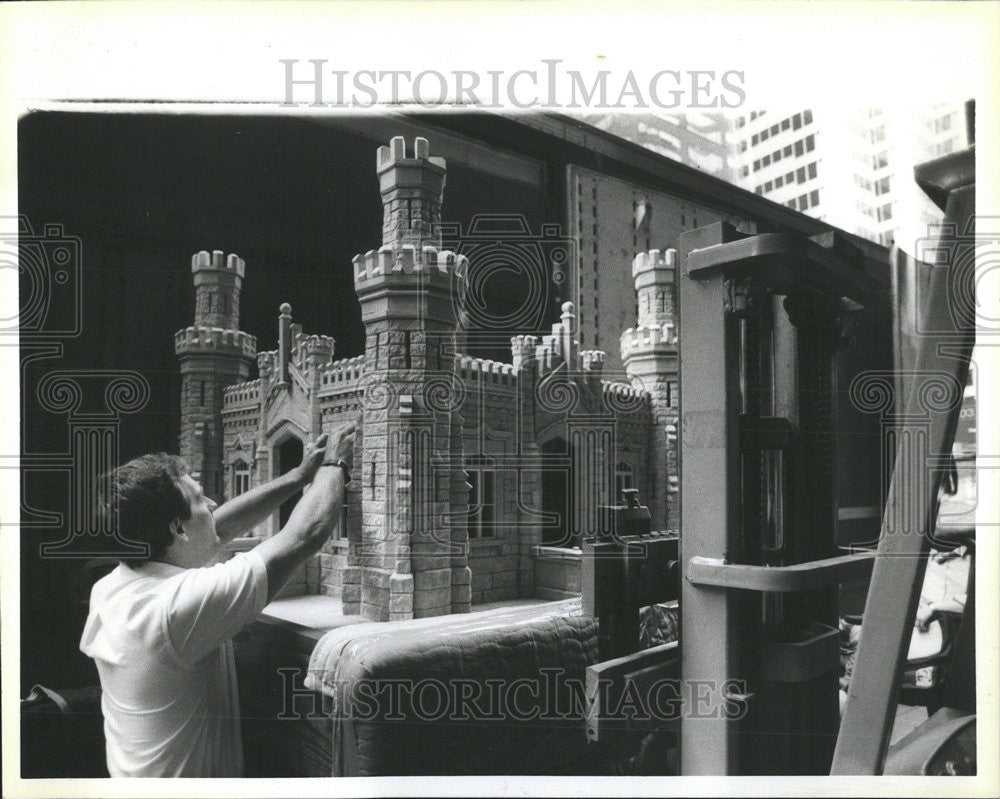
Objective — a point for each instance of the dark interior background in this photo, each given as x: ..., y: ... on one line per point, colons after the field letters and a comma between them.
x: 142, y: 193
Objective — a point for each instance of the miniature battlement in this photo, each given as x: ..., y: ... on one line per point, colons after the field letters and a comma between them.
x: 560, y: 346
x: 315, y: 347
x: 522, y: 349
x: 496, y: 372
x: 646, y: 338
x: 593, y: 361
x: 343, y: 372
x: 662, y: 262
x: 219, y: 261
x: 240, y: 394
x: 619, y: 396
x: 395, y: 155
x: 214, y: 339
x: 406, y: 260
x: 266, y: 363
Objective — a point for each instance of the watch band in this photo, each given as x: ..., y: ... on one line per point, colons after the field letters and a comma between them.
x: 342, y: 465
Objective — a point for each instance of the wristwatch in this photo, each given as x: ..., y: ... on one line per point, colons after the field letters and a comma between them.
x: 342, y: 465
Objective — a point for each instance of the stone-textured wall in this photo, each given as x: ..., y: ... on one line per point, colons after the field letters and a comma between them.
x: 412, y: 558
x: 213, y: 354
x: 649, y: 352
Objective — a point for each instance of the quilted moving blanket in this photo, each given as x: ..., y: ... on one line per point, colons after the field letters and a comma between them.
x: 498, y: 691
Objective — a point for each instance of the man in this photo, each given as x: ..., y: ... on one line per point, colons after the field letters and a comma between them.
x: 160, y: 630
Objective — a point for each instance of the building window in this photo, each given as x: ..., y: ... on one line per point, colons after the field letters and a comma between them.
x: 942, y: 124
x: 796, y: 121
x: 803, y: 202
x: 768, y: 186
x: 754, y: 140
x: 745, y: 171
x: 241, y: 478
x: 800, y: 174
x: 790, y: 177
x: 878, y: 134
x: 774, y: 130
x: 799, y: 149
x: 814, y: 198
x: 786, y: 124
x: 812, y: 169
x: 624, y: 478
x: 810, y: 142
x: 884, y: 213
x: 201, y: 400
x: 787, y: 152
x: 743, y: 146
x: 765, y: 161
x: 880, y: 160
x: 779, y: 182
x: 882, y: 186
x: 482, y: 498
x: 776, y: 156
x: 756, y: 165
x: 807, y: 117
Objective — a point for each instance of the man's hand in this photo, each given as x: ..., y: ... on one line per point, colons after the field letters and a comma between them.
x: 316, y: 514
x: 341, y: 446
x: 312, y: 459
x: 925, y: 615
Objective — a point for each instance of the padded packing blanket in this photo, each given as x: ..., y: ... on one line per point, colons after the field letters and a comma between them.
x: 490, y: 692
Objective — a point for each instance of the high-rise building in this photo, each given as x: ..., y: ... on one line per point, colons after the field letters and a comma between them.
x: 693, y: 138
x: 853, y: 169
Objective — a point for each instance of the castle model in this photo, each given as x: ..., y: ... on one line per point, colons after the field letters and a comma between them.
x: 474, y: 480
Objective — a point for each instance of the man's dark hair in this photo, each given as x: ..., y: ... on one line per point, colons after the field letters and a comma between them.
x: 149, y: 499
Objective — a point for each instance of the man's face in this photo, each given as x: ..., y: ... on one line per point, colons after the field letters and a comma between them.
x: 200, y: 528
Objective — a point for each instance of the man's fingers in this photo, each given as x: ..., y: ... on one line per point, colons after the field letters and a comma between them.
x: 320, y: 442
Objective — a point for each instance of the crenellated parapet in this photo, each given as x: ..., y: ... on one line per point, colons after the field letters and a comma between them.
x: 522, y: 349
x: 412, y: 186
x: 492, y: 372
x: 654, y: 273
x: 312, y: 351
x: 214, y: 354
x: 267, y: 363
x: 218, y: 279
x: 217, y: 261
x: 651, y: 346
x: 215, y: 340
x: 559, y: 348
x: 592, y: 362
x: 405, y: 282
x: 649, y: 340
x: 621, y: 398
x: 241, y: 395
x: 407, y: 260
x: 343, y: 374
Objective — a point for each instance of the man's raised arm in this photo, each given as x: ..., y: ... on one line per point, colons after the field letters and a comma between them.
x: 241, y: 514
x: 315, y: 516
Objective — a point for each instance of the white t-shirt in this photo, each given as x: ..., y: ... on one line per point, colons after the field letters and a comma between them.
x: 160, y: 636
